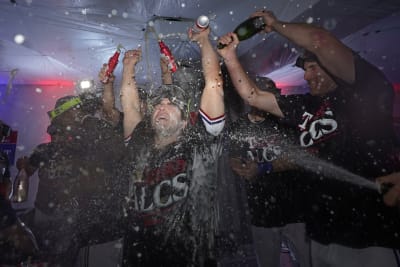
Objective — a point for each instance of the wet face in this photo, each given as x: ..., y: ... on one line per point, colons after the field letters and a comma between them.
x: 68, y: 122
x: 318, y: 80
x: 166, y: 118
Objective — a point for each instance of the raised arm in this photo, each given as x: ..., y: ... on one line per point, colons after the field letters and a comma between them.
x: 166, y: 75
x: 130, y: 101
x: 331, y: 52
x: 246, y: 88
x: 109, y: 111
x: 212, y: 99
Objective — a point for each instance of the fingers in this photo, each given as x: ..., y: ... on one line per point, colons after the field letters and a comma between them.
x: 132, y: 56
x: 393, y: 178
x: 392, y: 197
x: 198, y: 36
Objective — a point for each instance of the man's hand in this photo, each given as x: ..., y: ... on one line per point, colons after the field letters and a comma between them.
x: 245, y: 168
x: 230, y: 42
x: 199, y: 37
x: 102, y: 75
x: 268, y: 17
x: 392, y: 196
x: 132, y: 57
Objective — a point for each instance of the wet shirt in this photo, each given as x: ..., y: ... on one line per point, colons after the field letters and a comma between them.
x: 351, y: 130
x: 260, y: 142
x: 73, y: 186
x: 172, y: 190
x: 351, y: 126
x: 270, y: 195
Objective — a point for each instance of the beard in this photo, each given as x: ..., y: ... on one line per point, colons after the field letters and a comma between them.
x: 169, y: 129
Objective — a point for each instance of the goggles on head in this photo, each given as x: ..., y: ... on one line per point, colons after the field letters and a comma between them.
x: 64, y: 107
x: 175, y: 95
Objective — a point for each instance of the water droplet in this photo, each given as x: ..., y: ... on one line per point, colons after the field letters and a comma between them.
x: 19, y: 39
x: 114, y: 12
x: 125, y: 15
x: 38, y: 90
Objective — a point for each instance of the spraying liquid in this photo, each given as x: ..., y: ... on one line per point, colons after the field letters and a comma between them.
x: 329, y: 170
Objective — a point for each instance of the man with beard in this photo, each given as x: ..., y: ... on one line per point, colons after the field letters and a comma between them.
x: 171, y: 207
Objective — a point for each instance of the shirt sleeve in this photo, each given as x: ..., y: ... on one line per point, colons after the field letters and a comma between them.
x: 213, y: 126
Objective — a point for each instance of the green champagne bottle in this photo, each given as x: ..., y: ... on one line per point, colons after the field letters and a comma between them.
x: 247, y: 29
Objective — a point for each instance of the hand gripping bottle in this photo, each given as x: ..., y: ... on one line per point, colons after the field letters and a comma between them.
x: 201, y: 24
x: 21, y: 187
x: 247, y: 29
x: 166, y: 53
x: 112, y: 64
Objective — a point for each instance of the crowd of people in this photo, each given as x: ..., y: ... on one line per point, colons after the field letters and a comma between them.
x: 146, y: 179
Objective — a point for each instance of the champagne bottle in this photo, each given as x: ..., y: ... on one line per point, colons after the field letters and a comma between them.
x: 247, y: 29
x: 21, y: 187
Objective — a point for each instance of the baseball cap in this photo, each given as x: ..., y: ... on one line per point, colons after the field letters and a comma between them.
x: 307, y: 56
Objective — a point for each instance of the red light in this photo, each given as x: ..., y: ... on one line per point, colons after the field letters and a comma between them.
x: 54, y: 82
x: 396, y: 87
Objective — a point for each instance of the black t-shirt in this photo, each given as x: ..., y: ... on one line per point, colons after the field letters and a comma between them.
x: 7, y: 214
x: 74, y: 198
x: 350, y: 127
x: 271, y: 196
x: 351, y: 130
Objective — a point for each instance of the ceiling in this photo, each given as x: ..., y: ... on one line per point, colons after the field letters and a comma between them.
x: 68, y: 40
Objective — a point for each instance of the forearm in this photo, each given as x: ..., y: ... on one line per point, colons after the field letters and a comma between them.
x: 249, y: 91
x: 110, y: 112
x: 308, y: 36
x: 130, y: 101
x: 331, y: 52
x: 166, y: 76
x: 212, y: 99
x: 240, y: 80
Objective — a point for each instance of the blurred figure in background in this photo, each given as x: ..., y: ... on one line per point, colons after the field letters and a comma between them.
x: 17, y: 242
x: 72, y: 199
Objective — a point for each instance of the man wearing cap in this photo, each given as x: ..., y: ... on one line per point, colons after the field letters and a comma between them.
x: 72, y: 170
x: 346, y: 119
x: 170, y: 168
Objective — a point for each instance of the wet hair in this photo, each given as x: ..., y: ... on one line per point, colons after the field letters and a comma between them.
x: 175, y: 94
